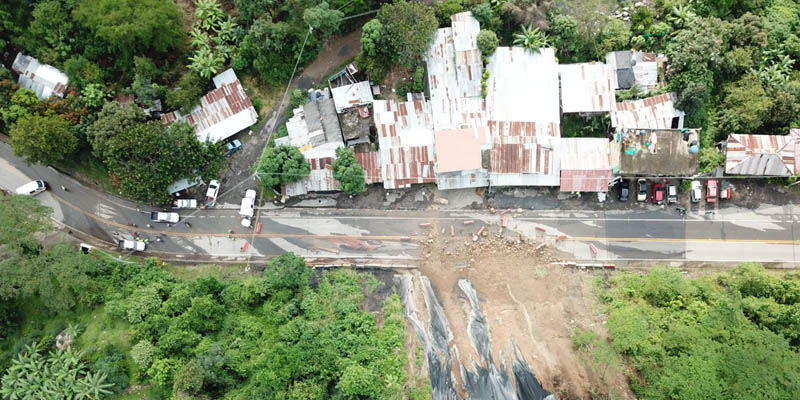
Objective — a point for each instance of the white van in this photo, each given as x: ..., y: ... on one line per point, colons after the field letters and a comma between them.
x: 32, y: 188
x: 248, y: 207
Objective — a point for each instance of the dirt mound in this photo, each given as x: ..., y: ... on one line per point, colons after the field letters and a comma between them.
x: 527, y: 301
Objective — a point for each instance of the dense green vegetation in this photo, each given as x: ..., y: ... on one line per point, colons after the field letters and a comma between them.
x: 272, y: 335
x: 347, y: 171
x: 733, y: 336
x: 282, y: 164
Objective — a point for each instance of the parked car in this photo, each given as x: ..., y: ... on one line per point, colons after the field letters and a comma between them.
x: 232, y: 147
x: 32, y: 188
x: 624, y: 190
x: 171, y: 217
x: 697, y: 191
x: 184, y: 203
x: 134, y: 245
x: 213, y: 190
x: 711, y: 191
x: 658, y: 193
x: 672, y: 194
x: 641, y: 186
x: 248, y: 207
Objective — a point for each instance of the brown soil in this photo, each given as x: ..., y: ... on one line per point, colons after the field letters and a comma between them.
x: 525, y: 299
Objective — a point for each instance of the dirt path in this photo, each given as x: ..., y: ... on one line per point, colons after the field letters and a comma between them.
x: 334, y: 53
x: 526, y: 300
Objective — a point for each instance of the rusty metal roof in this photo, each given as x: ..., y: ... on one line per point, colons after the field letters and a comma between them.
x: 655, y: 112
x: 405, y: 142
x: 348, y: 96
x: 585, y: 165
x: 587, y: 87
x: 524, y: 161
x: 222, y: 113
x: 320, y: 179
x: 371, y: 165
x: 763, y: 155
x: 455, y: 68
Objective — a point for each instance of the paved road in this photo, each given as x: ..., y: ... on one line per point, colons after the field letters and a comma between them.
x: 768, y: 234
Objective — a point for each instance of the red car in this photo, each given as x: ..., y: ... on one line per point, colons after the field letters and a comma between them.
x: 658, y: 193
x: 711, y: 191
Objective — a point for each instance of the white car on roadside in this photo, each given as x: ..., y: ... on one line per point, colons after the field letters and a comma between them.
x: 697, y: 191
x: 247, y: 211
x: 133, y: 245
x: 213, y: 190
x: 184, y: 203
x: 171, y: 217
x: 32, y: 188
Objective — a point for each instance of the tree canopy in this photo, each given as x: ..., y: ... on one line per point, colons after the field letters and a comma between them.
x: 282, y: 164
x: 43, y: 139
x: 348, y: 171
x: 132, y: 27
x: 145, y: 158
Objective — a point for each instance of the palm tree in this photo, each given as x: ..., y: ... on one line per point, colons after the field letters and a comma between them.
x: 680, y: 16
x: 92, y: 386
x: 209, y: 13
x: 199, y: 38
x: 205, y: 63
x: 531, y: 39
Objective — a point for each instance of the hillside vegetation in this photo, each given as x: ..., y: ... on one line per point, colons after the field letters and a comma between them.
x: 271, y: 335
x: 734, y: 335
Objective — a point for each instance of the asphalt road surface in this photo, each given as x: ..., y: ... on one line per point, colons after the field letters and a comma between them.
x: 767, y: 234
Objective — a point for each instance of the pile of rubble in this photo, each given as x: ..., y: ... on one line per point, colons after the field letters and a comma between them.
x: 487, y: 241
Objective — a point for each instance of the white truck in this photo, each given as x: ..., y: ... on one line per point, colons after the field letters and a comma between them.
x: 184, y: 203
x: 133, y: 245
x: 248, y: 207
x: 171, y: 217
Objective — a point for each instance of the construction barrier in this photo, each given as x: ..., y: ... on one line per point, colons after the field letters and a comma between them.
x: 258, y: 228
x: 245, y: 246
x: 452, y: 231
x: 406, y: 238
x: 469, y: 222
x: 504, y: 222
x: 425, y: 225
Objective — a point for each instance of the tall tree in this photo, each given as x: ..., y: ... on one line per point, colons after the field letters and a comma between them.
x: 324, y: 19
x: 43, y: 139
x: 133, y: 26
x: 408, y: 30
x: 348, y: 172
x: 282, y: 164
x: 112, y: 121
x: 146, y: 158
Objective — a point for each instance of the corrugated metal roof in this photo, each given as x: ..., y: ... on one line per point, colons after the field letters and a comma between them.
x: 405, y: 142
x: 592, y: 180
x: 45, y: 80
x: 222, y: 113
x: 524, y: 161
x: 227, y: 76
x: 462, y: 179
x: 764, y: 155
x: 587, y: 87
x: 371, y: 165
x: 655, y: 112
x: 320, y: 179
x: 357, y: 94
x: 585, y: 165
x: 454, y: 75
x: 523, y: 86
x: 314, y: 124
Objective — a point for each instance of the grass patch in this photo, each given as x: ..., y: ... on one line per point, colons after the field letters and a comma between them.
x: 226, y: 272
x: 89, y: 169
x: 596, y: 353
x: 574, y: 125
x: 268, y: 96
